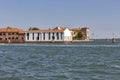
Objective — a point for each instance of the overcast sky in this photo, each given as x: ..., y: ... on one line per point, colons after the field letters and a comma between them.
x: 101, y: 16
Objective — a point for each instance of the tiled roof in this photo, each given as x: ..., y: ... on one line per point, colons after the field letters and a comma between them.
x: 45, y: 31
x: 75, y: 29
x: 10, y: 29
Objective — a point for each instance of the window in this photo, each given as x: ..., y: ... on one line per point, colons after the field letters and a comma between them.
x: 3, y: 33
x: 43, y: 36
x: 53, y: 37
x: 61, y: 35
x: 9, y: 38
x: 22, y: 38
x: 33, y: 36
x: 57, y: 36
x: 53, y: 34
x: 16, y: 33
x: 16, y: 38
x: 27, y: 34
x: 38, y: 36
x: 9, y: 33
x: 27, y: 37
x: 12, y: 37
x: 49, y: 35
x: 0, y: 34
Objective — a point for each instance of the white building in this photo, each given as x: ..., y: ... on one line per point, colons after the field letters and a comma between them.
x: 59, y: 35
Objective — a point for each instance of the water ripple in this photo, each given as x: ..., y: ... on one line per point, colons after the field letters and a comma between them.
x: 74, y: 61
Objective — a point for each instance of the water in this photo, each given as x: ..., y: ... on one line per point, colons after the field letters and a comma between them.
x: 99, y: 60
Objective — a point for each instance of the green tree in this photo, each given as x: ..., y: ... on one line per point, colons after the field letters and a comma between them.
x: 34, y: 28
x: 78, y: 36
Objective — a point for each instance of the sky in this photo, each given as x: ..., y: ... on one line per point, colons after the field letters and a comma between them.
x: 101, y: 16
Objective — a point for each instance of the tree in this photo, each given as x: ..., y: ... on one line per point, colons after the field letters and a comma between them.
x: 79, y: 36
x: 34, y: 28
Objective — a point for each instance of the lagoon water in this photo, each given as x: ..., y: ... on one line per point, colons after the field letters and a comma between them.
x: 98, y: 60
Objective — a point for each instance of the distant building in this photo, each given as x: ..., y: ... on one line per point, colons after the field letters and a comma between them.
x: 50, y: 35
x: 11, y: 35
x: 85, y: 32
x: 57, y: 34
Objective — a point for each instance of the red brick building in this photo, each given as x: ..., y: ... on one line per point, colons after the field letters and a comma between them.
x: 11, y: 35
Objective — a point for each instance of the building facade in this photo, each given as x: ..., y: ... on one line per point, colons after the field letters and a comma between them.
x: 11, y: 35
x: 51, y: 35
x: 58, y: 34
x: 86, y: 33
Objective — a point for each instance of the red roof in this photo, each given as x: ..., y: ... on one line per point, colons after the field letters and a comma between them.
x: 75, y: 29
x: 45, y: 31
x: 10, y: 29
